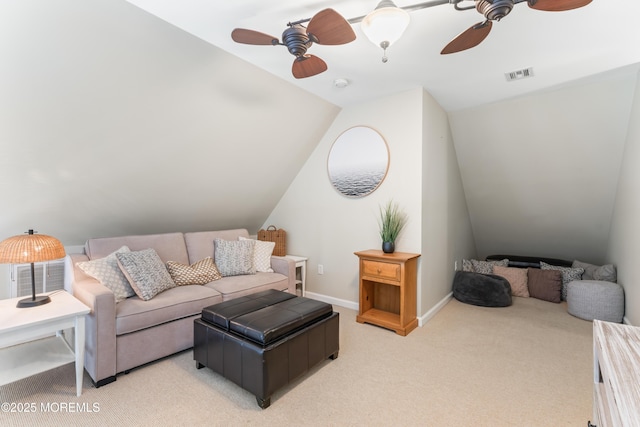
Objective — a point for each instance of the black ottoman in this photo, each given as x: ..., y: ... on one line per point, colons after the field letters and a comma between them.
x: 486, y: 290
x: 263, y: 341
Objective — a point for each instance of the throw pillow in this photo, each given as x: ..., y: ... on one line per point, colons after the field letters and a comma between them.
x: 107, y: 272
x: 234, y: 257
x: 262, y: 252
x: 545, y: 284
x: 198, y: 273
x: 486, y: 267
x: 569, y: 274
x: 467, y: 266
x: 517, y: 278
x: 594, y: 272
x: 146, y: 273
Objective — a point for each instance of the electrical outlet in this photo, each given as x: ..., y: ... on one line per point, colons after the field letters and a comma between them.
x: 455, y: 265
x: 320, y: 269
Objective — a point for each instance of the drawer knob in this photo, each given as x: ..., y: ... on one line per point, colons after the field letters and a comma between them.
x: 379, y: 271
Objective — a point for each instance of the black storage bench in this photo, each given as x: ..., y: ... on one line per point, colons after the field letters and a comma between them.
x: 263, y: 341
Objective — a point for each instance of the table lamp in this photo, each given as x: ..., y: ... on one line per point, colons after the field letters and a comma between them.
x: 30, y: 248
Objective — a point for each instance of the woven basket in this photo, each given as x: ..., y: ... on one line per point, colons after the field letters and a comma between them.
x: 277, y: 235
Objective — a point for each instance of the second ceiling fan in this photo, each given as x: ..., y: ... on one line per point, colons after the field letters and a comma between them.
x: 495, y: 10
x: 328, y: 27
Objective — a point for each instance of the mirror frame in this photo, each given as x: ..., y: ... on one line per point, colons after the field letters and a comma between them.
x: 355, y: 167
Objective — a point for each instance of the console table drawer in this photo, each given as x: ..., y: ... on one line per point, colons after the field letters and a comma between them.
x: 383, y: 270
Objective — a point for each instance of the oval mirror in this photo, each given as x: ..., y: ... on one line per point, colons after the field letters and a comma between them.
x: 358, y: 161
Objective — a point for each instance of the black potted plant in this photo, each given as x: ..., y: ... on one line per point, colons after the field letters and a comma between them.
x: 392, y: 221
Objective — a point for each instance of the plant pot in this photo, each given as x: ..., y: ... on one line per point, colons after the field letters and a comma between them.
x: 388, y: 247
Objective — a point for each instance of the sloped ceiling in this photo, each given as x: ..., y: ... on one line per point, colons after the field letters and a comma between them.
x: 560, y: 46
x: 113, y: 122
x: 541, y: 172
x: 539, y: 157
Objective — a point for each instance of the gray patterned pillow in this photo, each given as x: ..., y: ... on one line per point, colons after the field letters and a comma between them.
x: 569, y: 274
x: 234, y: 257
x: 146, y: 273
x: 486, y: 267
x: 107, y: 271
x: 596, y: 272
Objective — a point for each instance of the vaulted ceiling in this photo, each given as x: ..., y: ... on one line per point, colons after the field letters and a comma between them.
x: 558, y: 46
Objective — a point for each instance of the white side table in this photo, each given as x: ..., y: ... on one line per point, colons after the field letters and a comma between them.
x: 24, y: 351
x: 301, y: 271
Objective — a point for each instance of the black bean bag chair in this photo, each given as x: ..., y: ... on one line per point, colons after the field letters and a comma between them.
x: 486, y: 290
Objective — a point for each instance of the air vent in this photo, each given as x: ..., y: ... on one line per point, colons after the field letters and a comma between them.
x: 49, y: 277
x: 519, y: 74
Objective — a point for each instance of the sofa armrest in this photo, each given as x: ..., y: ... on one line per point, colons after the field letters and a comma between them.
x: 287, y: 267
x: 100, y: 323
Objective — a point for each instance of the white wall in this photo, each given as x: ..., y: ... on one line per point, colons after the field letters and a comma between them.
x: 540, y: 171
x: 114, y: 122
x: 326, y: 226
x: 624, y: 245
x: 447, y: 236
x: 423, y: 178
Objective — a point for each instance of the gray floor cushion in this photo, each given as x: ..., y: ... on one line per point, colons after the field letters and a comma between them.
x: 595, y: 299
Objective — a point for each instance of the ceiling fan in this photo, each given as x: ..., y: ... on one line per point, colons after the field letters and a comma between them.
x: 326, y: 27
x: 495, y: 10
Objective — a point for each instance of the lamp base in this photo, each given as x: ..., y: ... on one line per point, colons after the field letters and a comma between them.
x: 33, y: 302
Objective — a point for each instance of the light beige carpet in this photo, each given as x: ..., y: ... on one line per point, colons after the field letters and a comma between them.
x: 526, y: 365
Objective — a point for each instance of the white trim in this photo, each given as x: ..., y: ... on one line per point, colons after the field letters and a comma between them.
x: 436, y: 308
x: 354, y: 305
x: 331, y: 300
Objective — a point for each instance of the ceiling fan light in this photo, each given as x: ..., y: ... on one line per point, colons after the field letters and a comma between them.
x: 386, y: 23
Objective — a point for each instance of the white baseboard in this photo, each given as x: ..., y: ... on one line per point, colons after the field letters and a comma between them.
x: 331, y: 300
x: 354, y: 305
x: 422, y: 320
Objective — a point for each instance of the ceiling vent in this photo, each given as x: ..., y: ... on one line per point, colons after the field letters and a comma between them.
x: 519, y: 74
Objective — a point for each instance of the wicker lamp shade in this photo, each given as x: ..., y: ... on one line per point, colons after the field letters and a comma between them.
x: 30, y: 248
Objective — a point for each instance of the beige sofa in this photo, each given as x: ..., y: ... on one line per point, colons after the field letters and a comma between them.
x: 124, y: 335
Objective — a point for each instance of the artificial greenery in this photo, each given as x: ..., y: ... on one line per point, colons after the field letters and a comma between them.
x: 392, y: 221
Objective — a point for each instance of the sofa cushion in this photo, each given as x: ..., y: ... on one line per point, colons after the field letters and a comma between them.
x: 107, y: 271
x: 169, y: 246
x: 146, y: 272
x: 183, y: 301
x: 545, y: 284
x: 237, y: 286
x: 198, y: 273
x: 234, y: 257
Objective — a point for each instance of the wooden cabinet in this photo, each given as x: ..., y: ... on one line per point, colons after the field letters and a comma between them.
x: 388, y: 290
x: 616, y: 392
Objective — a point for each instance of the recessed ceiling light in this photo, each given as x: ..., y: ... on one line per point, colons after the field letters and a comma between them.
x: 341, y: 83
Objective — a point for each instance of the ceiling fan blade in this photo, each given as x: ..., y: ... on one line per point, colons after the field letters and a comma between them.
x: 469, y: 38
x: 240, y: 35
x: 328, y: 27
x: 557, y: 5
x: 307, y: 66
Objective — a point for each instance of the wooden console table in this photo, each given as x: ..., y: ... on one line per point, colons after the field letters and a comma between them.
x: 388, y: 290
x: 616, y: 392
